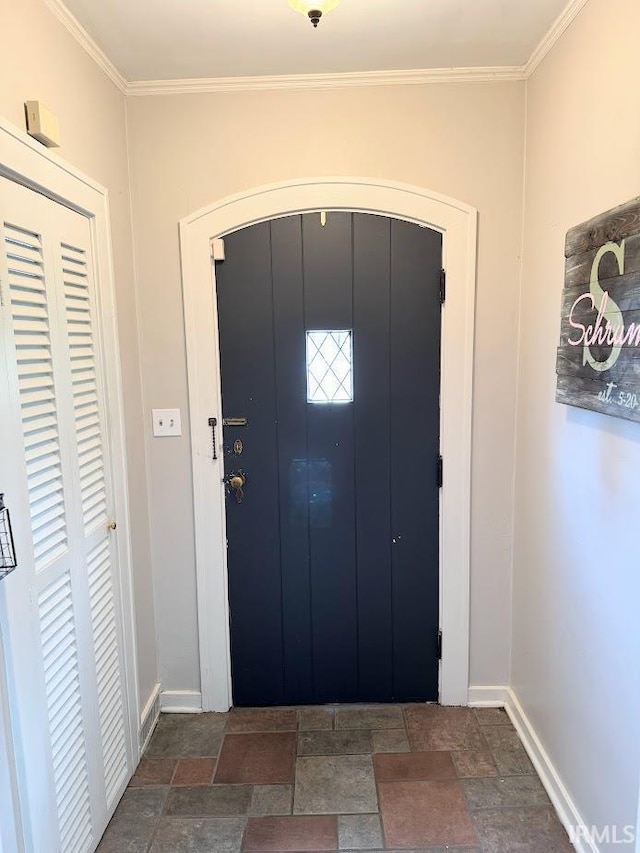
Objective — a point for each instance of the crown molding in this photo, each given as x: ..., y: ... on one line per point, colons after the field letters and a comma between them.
x: 71, y: 23
x: 553, y: 34
x: 292, y: 82
x: 325, y: 81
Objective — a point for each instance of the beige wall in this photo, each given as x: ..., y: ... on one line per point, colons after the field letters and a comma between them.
x: 576, y: 632
x: 39, y: 59
x: 463, y: 140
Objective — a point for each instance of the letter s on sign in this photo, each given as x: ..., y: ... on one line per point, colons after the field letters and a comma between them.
x: 614, y: 313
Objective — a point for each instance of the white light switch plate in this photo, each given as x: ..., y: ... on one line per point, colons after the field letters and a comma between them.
x: 166, y: 422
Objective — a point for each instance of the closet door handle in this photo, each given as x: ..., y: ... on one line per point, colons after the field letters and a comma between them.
x: 8, y: 560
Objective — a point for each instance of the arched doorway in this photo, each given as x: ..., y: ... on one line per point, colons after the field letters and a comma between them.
x: 458, y: 224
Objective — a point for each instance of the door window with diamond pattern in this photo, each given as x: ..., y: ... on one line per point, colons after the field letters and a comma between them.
x: 329, y: 367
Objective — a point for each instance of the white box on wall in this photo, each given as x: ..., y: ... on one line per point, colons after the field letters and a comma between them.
x: 42, y: 124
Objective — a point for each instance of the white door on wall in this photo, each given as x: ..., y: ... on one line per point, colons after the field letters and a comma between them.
x: 60, y: 610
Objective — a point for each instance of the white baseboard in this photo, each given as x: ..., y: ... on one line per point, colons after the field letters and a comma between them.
x: 149, y: 718
x: 488, y: 697
x: 504, y: 697
x: 181, y: 702
x: 567, y: 811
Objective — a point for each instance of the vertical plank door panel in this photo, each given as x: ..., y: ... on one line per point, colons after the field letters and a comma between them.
x: 415, y: 429
x: 291, y: 379
x: 327, y: 282
x: 245, y: 302
x: 372, y: 295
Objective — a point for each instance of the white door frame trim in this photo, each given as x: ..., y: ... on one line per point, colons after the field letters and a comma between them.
x: 11, y: 832
x: 458, y: 224
x: 27, y: 162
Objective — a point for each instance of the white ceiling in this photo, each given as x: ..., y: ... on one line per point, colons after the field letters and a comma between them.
x: 177, y: 39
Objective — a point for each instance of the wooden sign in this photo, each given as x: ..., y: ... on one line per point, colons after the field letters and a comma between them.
x: 598, y: 361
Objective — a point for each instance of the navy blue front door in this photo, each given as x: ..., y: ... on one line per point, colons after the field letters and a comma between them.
x: 330, y: 349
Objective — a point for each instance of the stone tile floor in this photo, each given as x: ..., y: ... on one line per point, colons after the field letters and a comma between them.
x: 356, y: 778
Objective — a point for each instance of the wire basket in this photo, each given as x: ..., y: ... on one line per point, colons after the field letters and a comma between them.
x: 7, y: 548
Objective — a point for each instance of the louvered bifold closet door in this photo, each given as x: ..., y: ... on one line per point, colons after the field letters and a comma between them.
x: 64, y: 509
x: 93, y: 492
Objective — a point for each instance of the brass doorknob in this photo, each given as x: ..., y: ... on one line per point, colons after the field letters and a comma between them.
x: 237, y: 481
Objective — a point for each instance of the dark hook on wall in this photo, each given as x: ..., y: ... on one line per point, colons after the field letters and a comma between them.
x: 213, y: 423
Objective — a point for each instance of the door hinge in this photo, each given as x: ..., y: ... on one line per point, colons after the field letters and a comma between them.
x: 439, y: 645
x: 440, y: 474
x: 443, y: 286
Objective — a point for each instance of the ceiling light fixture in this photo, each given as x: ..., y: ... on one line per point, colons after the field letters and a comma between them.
x: 313, y: 9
